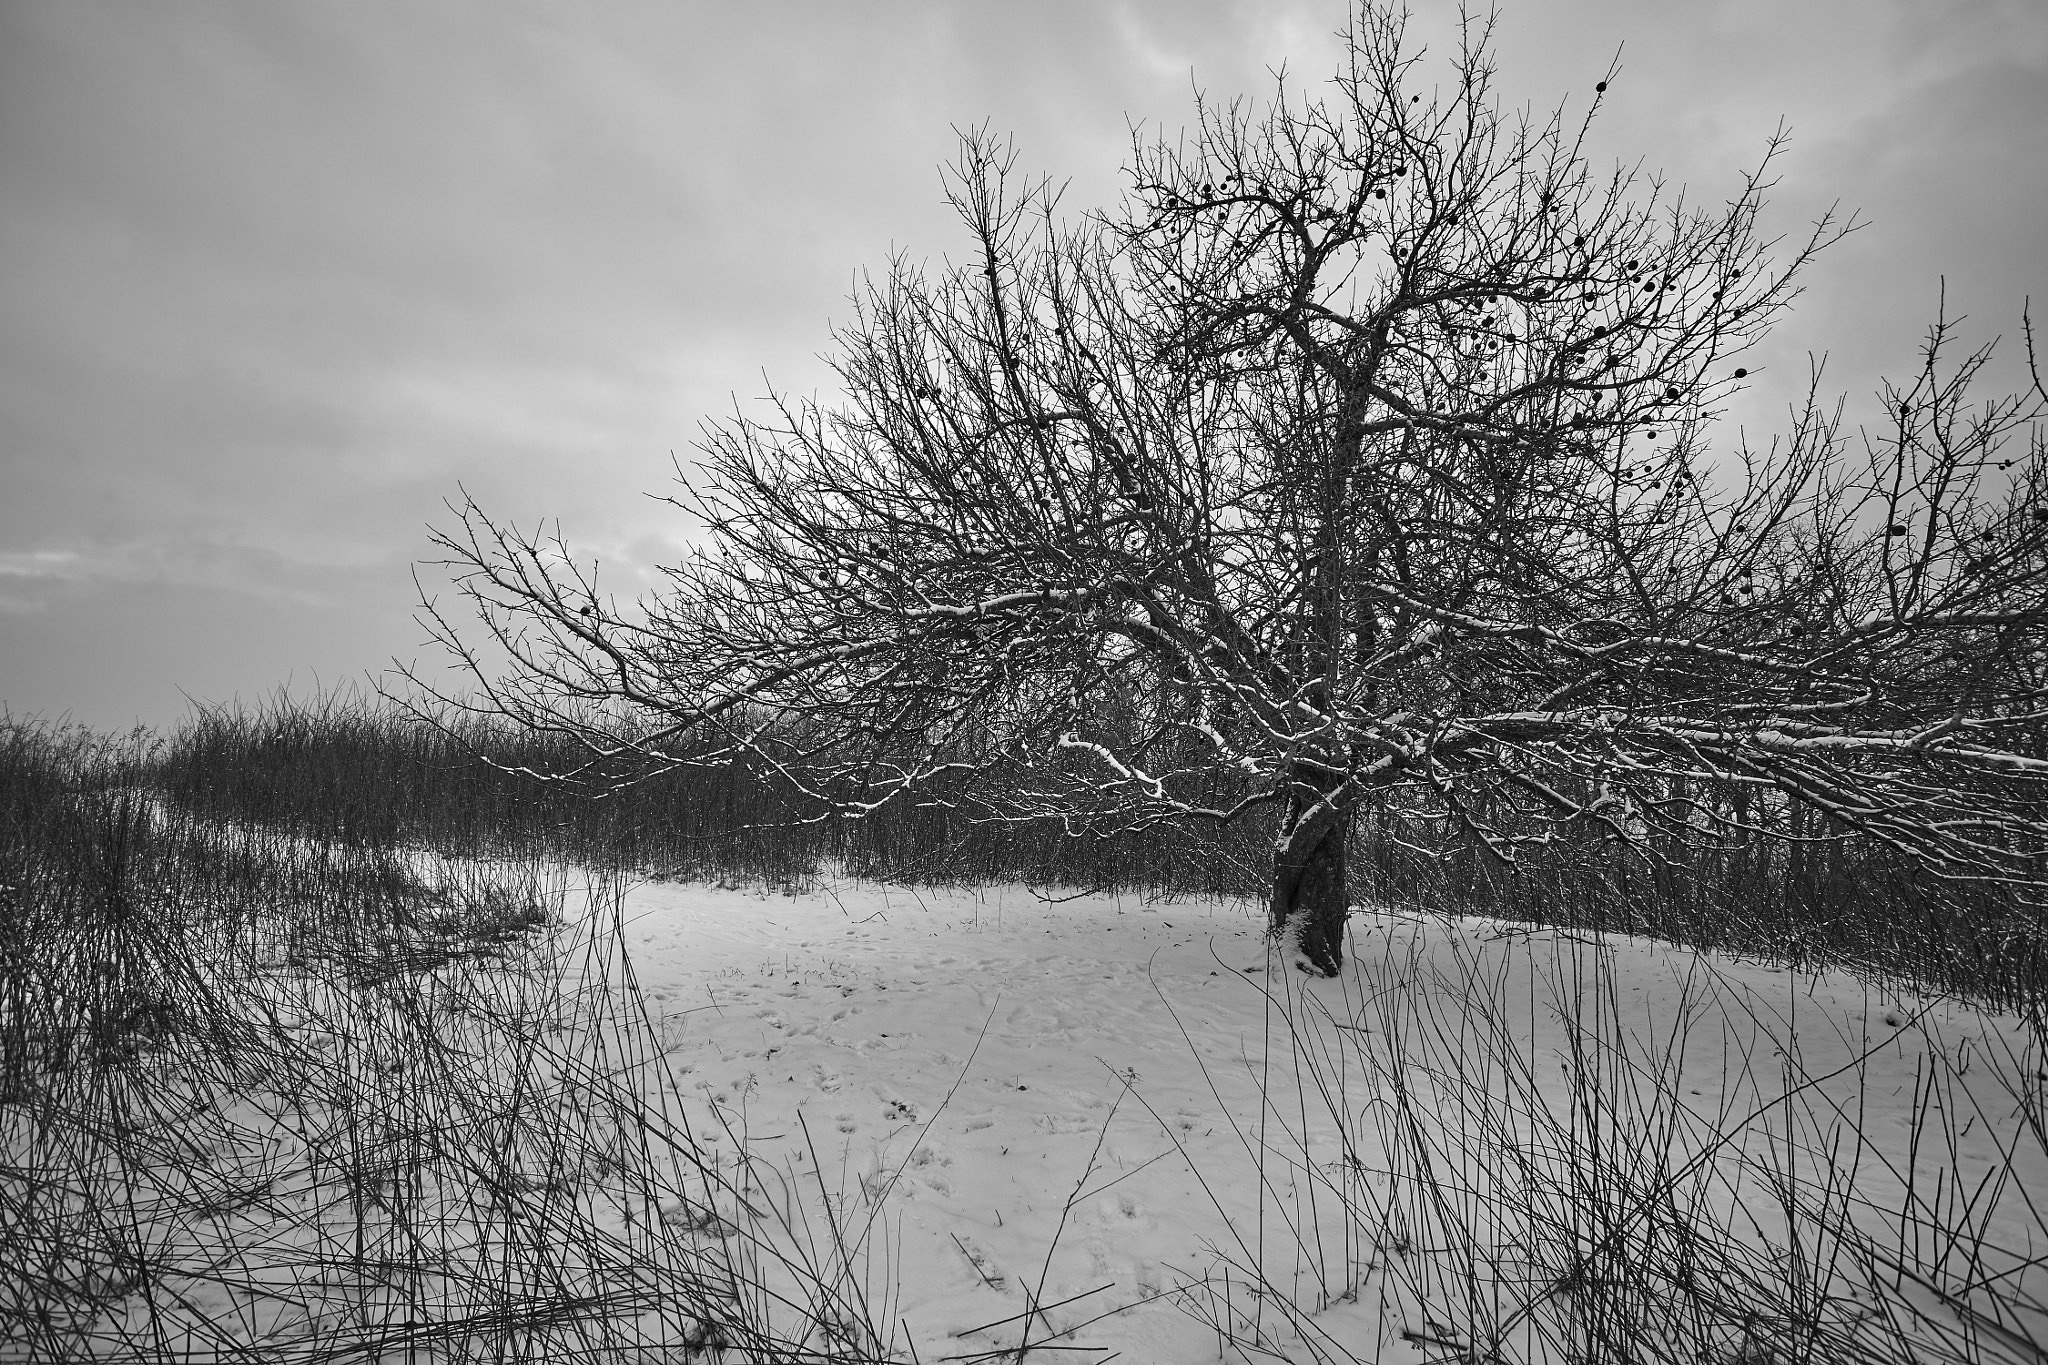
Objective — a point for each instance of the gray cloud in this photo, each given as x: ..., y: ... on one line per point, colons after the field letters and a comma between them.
x: 275, y: 279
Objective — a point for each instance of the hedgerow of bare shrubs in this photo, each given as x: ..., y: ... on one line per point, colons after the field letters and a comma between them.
x: 350, y: 769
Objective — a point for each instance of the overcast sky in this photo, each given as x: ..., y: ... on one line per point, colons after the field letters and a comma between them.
x: 276, y: 278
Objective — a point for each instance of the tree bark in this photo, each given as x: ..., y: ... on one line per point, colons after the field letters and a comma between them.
x: 1311, y: 892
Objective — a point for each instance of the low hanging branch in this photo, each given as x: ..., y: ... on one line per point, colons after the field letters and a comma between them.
x: 1360, y: 459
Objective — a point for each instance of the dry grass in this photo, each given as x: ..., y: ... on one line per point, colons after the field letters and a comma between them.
x: 272, y: 1098
x: 1511, y: 1159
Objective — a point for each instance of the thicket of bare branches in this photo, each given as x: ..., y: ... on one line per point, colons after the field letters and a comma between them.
x: 1359, y: 461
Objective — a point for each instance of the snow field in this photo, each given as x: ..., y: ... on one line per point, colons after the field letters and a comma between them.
x: 1106, y: 1103
x: 686, y: 1123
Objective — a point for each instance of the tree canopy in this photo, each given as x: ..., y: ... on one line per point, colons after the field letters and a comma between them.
x: 1361, y: 458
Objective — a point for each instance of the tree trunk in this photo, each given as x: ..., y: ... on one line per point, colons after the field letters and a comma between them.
x: 1311, y: 893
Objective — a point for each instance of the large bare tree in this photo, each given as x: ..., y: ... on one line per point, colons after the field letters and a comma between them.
x: 1359, y: 459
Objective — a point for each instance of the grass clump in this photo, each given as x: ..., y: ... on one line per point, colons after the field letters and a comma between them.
x: 273, y: 1097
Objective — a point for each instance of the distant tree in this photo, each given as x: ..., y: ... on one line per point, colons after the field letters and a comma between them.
x: 1359, y: 460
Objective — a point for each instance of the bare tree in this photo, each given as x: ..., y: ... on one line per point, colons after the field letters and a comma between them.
x: 1359, y: 459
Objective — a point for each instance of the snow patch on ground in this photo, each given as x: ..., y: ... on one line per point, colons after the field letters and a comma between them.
x: 1061, y: 1101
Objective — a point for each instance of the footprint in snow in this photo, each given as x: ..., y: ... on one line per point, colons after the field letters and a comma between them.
x: 1063, y: 1123
x: 984, y: 1266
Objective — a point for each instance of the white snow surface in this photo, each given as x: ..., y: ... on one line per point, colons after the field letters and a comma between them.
x: 1051, y: 1096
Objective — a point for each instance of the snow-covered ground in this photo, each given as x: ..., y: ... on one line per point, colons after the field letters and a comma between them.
x: 1065, y: 1102
x: 1094, y: 1126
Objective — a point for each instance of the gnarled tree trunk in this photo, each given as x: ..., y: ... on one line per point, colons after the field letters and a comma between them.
x: 1311, y: 894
